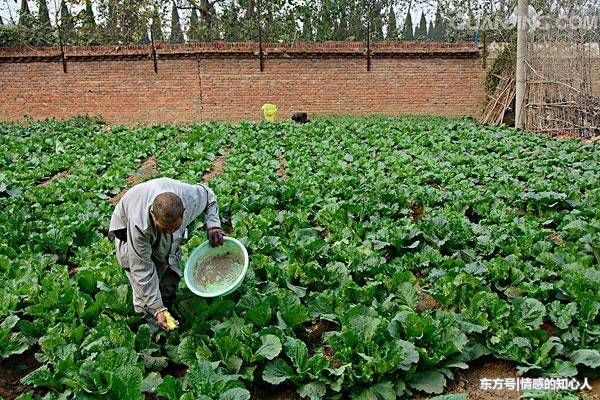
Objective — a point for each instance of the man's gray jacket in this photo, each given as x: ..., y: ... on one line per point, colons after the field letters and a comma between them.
x: 146, y: 246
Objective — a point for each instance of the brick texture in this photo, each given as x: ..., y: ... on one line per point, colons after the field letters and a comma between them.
x: 223, y: 81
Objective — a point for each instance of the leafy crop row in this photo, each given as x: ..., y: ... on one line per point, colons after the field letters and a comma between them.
x: 372, y: 217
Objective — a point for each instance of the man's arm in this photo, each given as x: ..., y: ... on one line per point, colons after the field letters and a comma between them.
x: 143, y: 270
x: 212, y: 222
x: 211, y: 212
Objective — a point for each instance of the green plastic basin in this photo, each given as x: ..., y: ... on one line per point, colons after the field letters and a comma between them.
x: 205, y: 250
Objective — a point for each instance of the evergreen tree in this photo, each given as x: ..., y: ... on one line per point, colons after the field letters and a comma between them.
x: 176, y: 32
x: 194, y: 29
x: 431, y: 31
x: 44, y: 16
x: 230, y: 24
x: 407, y: 33
x: 44, y: 36
x: 25, y: 14
x: 111, y: 28
x: 145, y: 38
x: 208, y: 20
x: 156, y: 27
x: 357, y: 27
x: 340, y: 30
x: 421, y: 31
x: 307, y: 33
x: 376, y: 21
x: 392, y: 30
x: 89, y: 18
x: 438, y: 32
x: 88, y: 33
x: 66, y: 22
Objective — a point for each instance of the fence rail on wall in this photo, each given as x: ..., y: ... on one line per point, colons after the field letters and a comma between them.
x: 261, y: 51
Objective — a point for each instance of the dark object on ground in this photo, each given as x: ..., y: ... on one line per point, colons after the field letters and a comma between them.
x: 300, y: 118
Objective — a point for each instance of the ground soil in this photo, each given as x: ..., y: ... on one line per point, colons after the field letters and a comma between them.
x: 281, y: 170
x: 12, y: 370
x: 468, y: 381
x: 555, y: 238
x: 313, y: 334
x: 416, y: 212
x: 593, y: 394
x: 58, y: 175
x: 427, y: 302
x: 274, y: 393
x: 145, y: 170
x: 217, y: 167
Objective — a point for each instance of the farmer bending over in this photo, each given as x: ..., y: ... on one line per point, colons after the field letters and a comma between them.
x: 148, y: 225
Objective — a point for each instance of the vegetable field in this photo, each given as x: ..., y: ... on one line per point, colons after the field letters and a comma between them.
x: 386, y: 254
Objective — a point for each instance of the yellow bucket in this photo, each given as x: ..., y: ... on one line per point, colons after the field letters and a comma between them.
x: 269, y: 110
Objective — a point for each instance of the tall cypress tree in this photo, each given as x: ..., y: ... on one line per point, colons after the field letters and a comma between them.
x: 112, y: 19
x: 89, y: 20
x: 407, y: 33
x: 176, y: 32
x: 194, y: 30
x: 376, y: 21
x: 439, y: 32
x: 145, y: 39
x: 307, y: 29
x: 66, y: 22
x: 88, y: 33
x: 44, y: 16
x: 230, y: 24
x: 431, y: 31
x: 25, y: 14
x: 421, y: 31
x: 392, y: 30
x: 156, y: 27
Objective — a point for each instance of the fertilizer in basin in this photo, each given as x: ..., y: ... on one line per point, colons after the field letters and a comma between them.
x: 218, y: 272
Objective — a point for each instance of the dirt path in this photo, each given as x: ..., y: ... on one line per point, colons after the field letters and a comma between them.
x: 145, y: 170
x: 281, y: 170
x: 58, y: 175
x: 469, y: 381
x: 12, y: 370
x: 218, y: 166
x: 593, y: 394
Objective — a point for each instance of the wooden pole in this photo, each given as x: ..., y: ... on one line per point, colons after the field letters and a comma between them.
x: 60, y: 42
x: 521, y: 68
x: 369, y: 37
x: 154, y: 61
x: 260, y: 38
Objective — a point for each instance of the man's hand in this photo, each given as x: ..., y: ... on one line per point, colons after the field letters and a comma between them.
x: 166, y: 321
x: 215, y: 236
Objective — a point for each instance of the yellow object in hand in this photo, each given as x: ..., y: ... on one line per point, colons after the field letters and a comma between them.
x: 172, y: 323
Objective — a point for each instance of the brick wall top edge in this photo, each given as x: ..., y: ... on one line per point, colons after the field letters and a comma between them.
x: 224, y: 48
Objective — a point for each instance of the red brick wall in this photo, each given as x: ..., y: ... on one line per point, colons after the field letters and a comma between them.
x: 201, y: 83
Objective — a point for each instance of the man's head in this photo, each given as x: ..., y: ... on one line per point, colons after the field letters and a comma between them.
x: 167, y: 210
